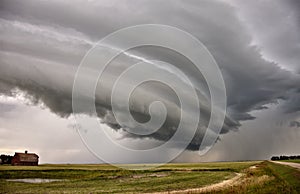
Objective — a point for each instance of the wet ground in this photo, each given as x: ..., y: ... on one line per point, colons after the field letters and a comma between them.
x: 35, y: 180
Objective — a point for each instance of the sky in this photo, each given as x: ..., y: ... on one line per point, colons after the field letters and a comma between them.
x: 256, y: 45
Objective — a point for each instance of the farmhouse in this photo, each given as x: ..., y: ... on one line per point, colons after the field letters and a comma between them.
x: 25, y: 159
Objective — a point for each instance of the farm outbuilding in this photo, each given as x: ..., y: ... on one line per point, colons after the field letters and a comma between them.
x: 25, y: 159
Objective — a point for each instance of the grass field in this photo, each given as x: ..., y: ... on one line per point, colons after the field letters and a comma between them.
x: 266, y: 177
x: 295, y: 161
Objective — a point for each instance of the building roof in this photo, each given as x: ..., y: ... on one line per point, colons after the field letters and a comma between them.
x: 27, y: 157
x: 19, y: 153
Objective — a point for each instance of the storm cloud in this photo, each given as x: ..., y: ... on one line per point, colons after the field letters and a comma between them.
x: 43, y: 42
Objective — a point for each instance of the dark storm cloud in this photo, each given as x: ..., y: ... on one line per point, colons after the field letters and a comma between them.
x: 275, y: 26
x: 42, y: 43
x: 295, y: 7
x: 292, y: 104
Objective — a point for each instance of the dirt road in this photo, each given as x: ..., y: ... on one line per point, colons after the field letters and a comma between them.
x: 295, y: 165
x: 209, y: 188
x: 239, y: 179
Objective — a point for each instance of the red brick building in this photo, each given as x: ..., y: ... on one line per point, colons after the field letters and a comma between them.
x: 25, y: 159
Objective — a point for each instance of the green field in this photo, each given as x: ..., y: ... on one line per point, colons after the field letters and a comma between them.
x: 295, y: 161
x: 265, y: 177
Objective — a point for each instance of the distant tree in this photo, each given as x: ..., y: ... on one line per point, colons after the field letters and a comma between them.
x: 283, y: 157
x: 275, y: 158
x: 5, y: 159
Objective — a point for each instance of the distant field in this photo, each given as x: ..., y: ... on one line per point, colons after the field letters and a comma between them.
x: 170, y: 177
x: 295, y: 161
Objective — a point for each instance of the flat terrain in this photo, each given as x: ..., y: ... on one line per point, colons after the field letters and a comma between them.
x: 293, y: 161
x: 223, y: 177
x: 295, y: 164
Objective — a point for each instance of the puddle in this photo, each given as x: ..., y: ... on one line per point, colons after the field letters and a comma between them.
x: 35, y: 180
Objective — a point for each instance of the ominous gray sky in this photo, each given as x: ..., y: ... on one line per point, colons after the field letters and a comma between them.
x: 255, y: 43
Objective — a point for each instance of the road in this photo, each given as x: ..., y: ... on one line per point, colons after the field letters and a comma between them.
x: 295, y: 165
x: 209, y: 188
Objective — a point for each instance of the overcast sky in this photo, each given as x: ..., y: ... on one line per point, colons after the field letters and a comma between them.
x: 255, y: 43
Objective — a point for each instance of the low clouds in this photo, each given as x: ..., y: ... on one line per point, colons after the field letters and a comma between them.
x: 43, y: 42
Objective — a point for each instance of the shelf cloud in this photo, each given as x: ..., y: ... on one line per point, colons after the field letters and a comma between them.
x: 255, y: 44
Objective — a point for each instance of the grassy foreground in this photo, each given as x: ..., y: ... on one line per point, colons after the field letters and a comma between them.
x: 266, y: 177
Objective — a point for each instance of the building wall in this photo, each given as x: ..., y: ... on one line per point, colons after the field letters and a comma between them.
x: 25, y: 159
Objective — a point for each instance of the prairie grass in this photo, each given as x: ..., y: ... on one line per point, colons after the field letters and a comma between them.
x: 258, y: 177
x: 102, y: 178
x: 267, y: 177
